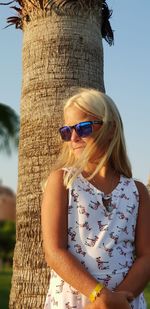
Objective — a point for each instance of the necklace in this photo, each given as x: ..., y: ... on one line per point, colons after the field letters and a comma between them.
x: 106, y: 198
x: 107, y: 202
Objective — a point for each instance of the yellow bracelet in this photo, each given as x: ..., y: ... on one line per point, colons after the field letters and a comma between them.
x: 95, y: 292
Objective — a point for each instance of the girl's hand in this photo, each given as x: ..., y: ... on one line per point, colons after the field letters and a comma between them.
x: 111, y: 300
x: 129, y: 296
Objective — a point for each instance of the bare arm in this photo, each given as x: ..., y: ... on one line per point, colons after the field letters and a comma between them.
x: 139, y: 274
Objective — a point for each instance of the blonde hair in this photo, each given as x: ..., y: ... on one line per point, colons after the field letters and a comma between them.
x: 101, y: 106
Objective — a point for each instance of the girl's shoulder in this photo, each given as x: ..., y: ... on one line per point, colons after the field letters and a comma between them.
x: 142, y: 189
x: 55, y: 176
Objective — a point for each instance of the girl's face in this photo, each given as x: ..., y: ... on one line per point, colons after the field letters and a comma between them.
x: 72, y: 116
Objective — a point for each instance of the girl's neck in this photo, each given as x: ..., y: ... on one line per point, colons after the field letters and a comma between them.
x: 106, y: 179
x: 104, y: 172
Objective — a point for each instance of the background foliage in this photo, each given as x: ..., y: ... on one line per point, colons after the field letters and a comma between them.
x: 7, y: 241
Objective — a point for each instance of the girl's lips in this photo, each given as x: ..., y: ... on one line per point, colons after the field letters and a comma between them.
x: 77, y: 145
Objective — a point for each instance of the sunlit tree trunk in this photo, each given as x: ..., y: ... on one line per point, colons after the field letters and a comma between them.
x: 62, y: 49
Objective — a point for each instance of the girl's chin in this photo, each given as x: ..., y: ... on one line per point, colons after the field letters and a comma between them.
x: 78, y: 151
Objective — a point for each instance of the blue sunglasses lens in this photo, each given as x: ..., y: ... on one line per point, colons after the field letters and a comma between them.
x: 65, y: 133
x: 83, y: 129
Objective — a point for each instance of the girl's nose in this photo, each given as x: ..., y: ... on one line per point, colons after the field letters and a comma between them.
x: 74, y: 136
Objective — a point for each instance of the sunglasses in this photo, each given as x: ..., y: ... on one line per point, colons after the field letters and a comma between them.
x: 83, y: 129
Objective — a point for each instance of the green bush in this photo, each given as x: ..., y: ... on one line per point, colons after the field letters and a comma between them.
x: 5, y: 283
x: 7, y: 241
x: 147, y: 295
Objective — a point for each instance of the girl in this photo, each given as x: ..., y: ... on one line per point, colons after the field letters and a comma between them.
x: 95, y: 217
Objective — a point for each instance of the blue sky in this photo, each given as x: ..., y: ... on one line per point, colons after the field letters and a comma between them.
x: 126, y: 75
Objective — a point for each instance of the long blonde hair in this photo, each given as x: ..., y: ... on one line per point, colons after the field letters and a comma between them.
x: 101, y: 106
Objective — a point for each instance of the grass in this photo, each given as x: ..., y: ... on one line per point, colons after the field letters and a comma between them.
x: 147, y: 295
x: 5, y: 283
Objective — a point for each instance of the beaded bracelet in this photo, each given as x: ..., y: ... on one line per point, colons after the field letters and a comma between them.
x: 96, y: 291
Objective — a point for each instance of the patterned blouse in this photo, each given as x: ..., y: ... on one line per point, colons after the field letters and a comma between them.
x: 100, y: 237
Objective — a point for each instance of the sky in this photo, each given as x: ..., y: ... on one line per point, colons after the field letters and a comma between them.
x: 126, y: 76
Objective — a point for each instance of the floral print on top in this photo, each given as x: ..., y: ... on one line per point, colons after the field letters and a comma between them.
x: 103, y: 241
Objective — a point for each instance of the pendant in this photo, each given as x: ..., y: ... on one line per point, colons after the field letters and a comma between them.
x: 109, y: 208
x: 107, y: 202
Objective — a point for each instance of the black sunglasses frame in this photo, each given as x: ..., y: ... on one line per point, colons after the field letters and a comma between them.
x: 75, y: 127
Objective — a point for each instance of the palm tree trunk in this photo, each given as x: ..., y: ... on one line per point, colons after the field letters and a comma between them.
x: 60, y: 52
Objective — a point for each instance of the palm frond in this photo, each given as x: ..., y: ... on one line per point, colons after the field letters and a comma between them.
x: 14, y: 20
x: 18, y: 10
x: 4, y: 142
x: 85, y: 4
x: 20, y: 2
x: 8, y: 3
x: 33, y: 3
x: 41, y: 3
x: 26, y: 7
x: 9, y: 128
x: 107, y: 32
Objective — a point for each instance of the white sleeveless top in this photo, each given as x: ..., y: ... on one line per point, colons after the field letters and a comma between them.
x: 101, y: 239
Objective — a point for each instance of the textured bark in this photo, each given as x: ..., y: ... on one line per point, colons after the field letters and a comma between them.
x: 60, y: 52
